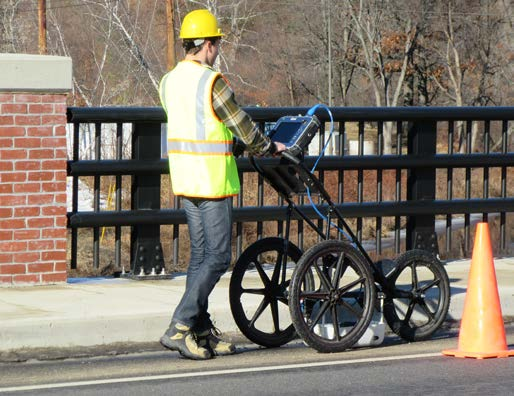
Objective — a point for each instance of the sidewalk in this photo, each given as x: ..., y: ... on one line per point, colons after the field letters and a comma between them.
x: 92, y: 312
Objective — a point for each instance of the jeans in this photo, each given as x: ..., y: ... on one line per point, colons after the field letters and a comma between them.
x: 210, y: 233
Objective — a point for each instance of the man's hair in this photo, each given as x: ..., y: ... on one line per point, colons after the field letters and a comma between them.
x: 192, y: 49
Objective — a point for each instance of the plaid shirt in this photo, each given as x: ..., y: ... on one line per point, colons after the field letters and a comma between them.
x: 237, y: 120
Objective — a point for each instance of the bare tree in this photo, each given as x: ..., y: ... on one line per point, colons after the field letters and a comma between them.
x: 117, y: 14
x: 96, y: 92
x: 346, y: 64
x: 451, y: 83
x: 348, y: 52
x: 471, y: 56
x: 119, y: 60
x: 7, y: 28
x: 18, y: 21
x: 384, y: 54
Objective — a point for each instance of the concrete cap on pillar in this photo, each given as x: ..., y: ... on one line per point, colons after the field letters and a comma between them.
x: 35, y: 73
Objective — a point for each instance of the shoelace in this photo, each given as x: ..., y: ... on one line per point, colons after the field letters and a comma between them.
x: 195, y: 336
x: 216, y: 332
x: 213, y: 331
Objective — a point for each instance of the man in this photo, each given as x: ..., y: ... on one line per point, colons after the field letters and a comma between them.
x: 203, y: 118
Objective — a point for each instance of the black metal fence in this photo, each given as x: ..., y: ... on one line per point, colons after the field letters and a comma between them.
x: 445, y: 166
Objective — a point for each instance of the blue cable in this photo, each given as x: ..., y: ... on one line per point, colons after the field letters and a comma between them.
x: 311, y: 112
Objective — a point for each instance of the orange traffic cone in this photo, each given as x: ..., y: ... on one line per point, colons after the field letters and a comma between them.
x: 482, y: 332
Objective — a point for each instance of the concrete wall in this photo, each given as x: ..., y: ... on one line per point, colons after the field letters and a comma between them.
x: 33, y: 92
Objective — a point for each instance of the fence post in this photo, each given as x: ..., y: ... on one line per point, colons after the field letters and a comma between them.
x: 146, y: 248
x: 33, y: 92
x: 421, y: 185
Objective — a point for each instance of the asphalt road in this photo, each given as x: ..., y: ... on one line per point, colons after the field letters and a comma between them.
x: 393, y: 368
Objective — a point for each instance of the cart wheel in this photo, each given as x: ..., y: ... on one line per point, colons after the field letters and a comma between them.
x: 258, y: 291
x: 418, y: 298
x: 332, y: 288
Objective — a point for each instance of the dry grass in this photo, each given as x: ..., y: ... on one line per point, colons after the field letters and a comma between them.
x: 270, y: 228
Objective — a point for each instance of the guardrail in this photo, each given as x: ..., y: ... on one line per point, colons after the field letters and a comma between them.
x: 423, y: 145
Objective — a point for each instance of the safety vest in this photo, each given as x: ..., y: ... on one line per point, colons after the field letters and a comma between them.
x: 199, y: 144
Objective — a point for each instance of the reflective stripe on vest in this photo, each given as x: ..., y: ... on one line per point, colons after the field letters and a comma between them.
x: 200, y: 147
x: 201, y: 92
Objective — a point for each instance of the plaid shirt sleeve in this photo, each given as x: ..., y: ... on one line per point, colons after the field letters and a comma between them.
x: 236, y: 119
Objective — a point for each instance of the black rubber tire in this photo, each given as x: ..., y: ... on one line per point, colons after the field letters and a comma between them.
x: 330, y: 297
x: 274, y: 290
x: 417, y: 317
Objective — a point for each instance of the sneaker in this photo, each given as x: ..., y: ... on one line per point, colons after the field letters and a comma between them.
x: 210, y: 340
x: 180, y: 338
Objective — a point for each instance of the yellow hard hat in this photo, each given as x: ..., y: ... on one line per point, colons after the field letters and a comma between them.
x: 200, y: 24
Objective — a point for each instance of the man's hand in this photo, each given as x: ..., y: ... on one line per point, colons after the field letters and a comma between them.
x: 274, y: 149
x: 280, y: 147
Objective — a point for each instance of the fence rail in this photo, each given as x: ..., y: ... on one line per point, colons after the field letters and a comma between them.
x: 430, y: 178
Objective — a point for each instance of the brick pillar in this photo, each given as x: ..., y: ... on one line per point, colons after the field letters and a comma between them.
x: 33, y: 91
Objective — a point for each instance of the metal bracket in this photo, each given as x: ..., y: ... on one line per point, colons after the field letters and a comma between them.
x: 148, y: 261
x: 426, y: 241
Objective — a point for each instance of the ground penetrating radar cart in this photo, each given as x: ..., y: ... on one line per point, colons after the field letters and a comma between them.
x: 333, y: 295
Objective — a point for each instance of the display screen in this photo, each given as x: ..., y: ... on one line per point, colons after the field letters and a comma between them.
x: 286, y: 131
